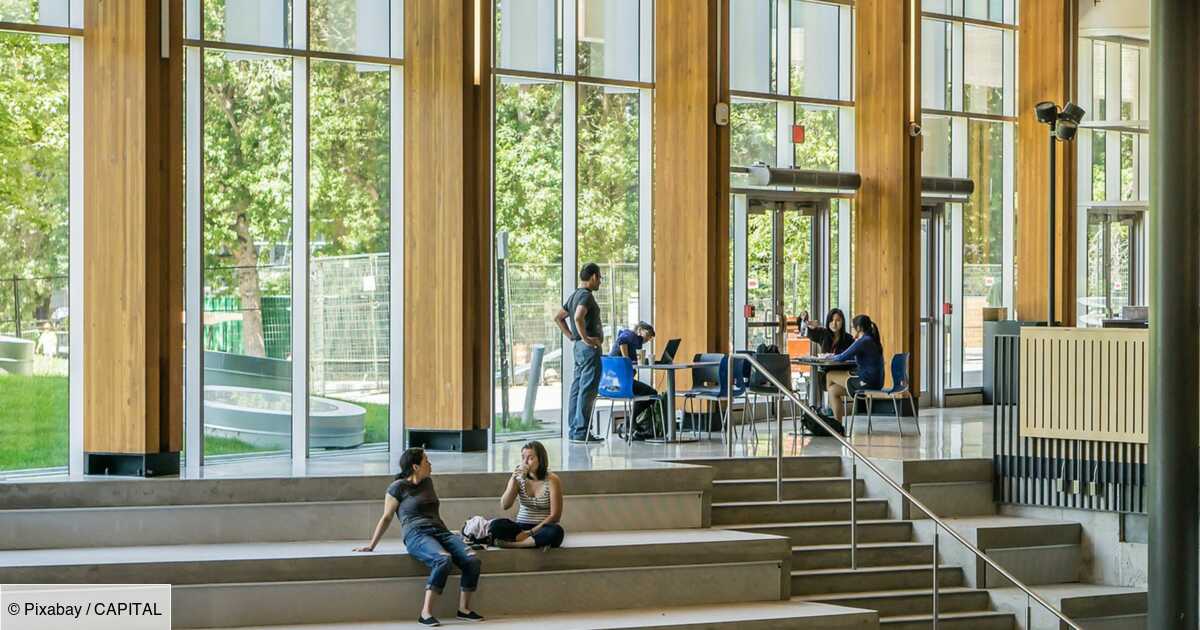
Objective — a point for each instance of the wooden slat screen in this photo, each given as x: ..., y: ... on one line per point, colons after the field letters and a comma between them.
x: 1085, y: 384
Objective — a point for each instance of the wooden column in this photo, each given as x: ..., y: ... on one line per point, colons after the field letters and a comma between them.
x: 133, y: 240
x: 1046, y: 69
x: 447, y: 381
x: 887, y: 223
x: 691, y: 180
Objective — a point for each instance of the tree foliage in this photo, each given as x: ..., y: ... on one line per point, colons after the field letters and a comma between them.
x: 34, y: 170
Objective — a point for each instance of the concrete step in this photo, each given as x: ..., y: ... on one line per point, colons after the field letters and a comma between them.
x: 525, y: 593
x: 979, y: 620
x: 950, y: 499
x: 795, y: 511
x: 1123, y: 622
x: 1089, y: 605
x: 1037, y: 552
x: 796, y: 488
x: 647, y: 477
x: 806, y: 557
x: 40, y: 528
x: 764, y: 467
x: 887, y: 578
x: 784, y: 615
x: 832, y: 532
x: 335, y: 560
x: 909, y: 601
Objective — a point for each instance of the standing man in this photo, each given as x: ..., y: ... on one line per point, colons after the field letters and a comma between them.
x: 579, y: 320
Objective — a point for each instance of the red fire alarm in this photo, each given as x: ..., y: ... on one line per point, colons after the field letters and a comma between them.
x: 947, y: 308
x: 748, y: 310
x: 797, y: 134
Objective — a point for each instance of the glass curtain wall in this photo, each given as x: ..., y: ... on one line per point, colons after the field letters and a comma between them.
x: 791, y: 64
x: 571, y: 171
x: 1114, y: 144
x: 40, y: 92
x: 968, y: 96
x: 289, y: 242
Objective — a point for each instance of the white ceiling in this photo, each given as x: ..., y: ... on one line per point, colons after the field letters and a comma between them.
x: 1128, y: 18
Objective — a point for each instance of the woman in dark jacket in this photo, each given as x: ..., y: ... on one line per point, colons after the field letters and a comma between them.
x: 867, y: 353
x: 832, y: 338
x: 412, y: 498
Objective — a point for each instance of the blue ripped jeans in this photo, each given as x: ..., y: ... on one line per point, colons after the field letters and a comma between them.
x: 437, y: 548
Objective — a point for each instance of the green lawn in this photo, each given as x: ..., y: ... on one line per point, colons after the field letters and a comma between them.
x: 34, y: 418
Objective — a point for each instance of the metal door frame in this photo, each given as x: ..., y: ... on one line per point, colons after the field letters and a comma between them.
x: 746, y: 203
x: 933, y: 348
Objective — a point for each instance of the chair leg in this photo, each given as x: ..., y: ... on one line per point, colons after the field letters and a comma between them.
x: 896, y: 410
x: 916, y: 418
x: 870, y: 404
x: 853, y: 416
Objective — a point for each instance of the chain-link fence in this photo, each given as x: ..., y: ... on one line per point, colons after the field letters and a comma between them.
x: 349, y: 320
x: 34, y: 310
x: 349, y: 314
x: 534, y: 295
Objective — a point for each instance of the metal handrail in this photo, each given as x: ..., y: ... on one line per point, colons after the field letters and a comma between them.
x: 787, y: 392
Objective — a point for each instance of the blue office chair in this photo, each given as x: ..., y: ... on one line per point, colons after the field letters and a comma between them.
x: 616, y: 385
x: 711, y: 386
x: 899, y: 390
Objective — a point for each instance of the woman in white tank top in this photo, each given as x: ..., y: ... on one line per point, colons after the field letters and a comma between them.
x: 539, y: 495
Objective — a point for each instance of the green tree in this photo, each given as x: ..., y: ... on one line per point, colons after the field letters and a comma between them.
x: 34, y: 170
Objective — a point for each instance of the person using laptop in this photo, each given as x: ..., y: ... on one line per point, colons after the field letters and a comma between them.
x: 579, y: 321
x: 628, y: 344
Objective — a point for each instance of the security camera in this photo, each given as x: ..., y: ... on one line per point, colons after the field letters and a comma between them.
x: 914, y: 130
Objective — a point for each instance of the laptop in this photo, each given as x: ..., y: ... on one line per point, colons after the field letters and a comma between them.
x: 668, y: 355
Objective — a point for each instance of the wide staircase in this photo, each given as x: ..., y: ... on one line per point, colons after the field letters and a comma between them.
x: 895, y: 565
x: 278, y: 552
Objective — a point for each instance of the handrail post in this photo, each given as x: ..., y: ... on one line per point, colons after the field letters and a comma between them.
x: 779, y: 450
x: 853, y: 512
x: 936, y: 611
x: 729, y: 399
x: 1028, y: 612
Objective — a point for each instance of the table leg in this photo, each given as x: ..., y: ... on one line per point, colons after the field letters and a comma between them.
x: 670, y: 411
x: 671, y: 437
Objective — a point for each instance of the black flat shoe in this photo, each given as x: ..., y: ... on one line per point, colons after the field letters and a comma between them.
x: 429, y: 622
x: 470, y: 616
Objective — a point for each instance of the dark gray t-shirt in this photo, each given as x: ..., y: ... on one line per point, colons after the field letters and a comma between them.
x: 591, y: 321
x: 418, y: 504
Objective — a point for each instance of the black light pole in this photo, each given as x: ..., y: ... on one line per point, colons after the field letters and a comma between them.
x: 1063, y: 125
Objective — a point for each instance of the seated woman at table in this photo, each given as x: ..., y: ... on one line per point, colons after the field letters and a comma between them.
x: 867, y: 352
x: 627, y: 345
x: 831, y: 338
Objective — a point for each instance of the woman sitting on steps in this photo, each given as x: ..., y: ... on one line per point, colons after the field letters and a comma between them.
x: 539, y: 493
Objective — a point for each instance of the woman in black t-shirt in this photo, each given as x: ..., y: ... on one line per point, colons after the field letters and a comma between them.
x: 412, y: 498
x: 831, y: 338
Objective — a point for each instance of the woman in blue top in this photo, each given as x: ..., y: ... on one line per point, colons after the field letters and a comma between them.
x: 627, y: 345
x: 867, y: 352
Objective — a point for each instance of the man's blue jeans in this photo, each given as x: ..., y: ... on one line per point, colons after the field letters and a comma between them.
x: 437, y: 548
x: 584, y: 388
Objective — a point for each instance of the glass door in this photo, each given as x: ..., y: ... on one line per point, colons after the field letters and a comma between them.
x: 776, y: 249
x: 1113, y: 250
x: 933, y: 367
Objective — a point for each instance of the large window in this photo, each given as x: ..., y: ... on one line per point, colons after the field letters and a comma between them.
x: 289, y: 240
x: 40, y: 96
x: 571, y: 153
x: 793, y: 106
x: 968, y: 93
x: 1113, y: 178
